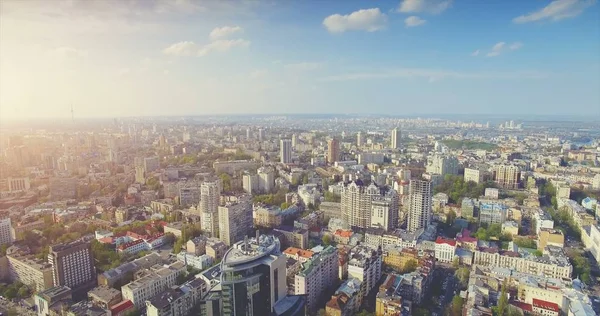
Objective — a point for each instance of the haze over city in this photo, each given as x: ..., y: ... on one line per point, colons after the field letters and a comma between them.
x: 183, y: 57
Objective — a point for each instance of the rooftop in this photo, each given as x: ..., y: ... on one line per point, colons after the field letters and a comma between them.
x: 251, y: 249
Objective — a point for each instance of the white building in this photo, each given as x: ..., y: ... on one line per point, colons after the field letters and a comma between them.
x: 474, y: 175
x: 365, y: 265
x: 317, y: 275
x: 5, y: 229
x: 235, y: 220
x: 445, y: 249
x: 210, y: 194
x: 492, y: 193
x: 309, y: 194
x: 441, y: 164
x: 151, y: 282
x: 396, y: 137
x: 419, y: 208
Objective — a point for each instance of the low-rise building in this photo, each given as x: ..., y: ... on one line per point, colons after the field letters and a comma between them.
x: 445, y: 249
x: 151, y: 282
x: 104, y: 297
x: 347, y: 299
x: 177, y: 301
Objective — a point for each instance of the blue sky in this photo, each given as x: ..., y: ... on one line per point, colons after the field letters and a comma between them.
x: 413, y: 57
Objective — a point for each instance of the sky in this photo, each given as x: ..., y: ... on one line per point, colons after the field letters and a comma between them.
x: 110, y: 58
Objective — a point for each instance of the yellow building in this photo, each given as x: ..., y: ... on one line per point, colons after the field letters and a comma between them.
x: 550, y: 237
x: 397, y: 258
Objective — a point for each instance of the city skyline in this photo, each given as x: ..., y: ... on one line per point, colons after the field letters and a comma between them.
x: 416, y: 57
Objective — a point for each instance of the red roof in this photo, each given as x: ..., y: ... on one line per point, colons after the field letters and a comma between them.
x: 130, y: 244
x: 450, y: 242
x: 546, y: 305
x: 343, y: 233
x: 524, y: 306
x: 121, y: 307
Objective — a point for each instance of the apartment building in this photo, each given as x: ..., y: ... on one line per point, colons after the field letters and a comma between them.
x: 317, y: 275
x: 73, y: 264
x: 30, y: 271
x: 365, y: 265
x: 177, y: 301
x: 151, y: 282
x: 553, y: 263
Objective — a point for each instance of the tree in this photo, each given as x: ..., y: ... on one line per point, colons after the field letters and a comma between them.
x: 226, y: 181
x: 327, y: 239
x: 450, y: 217
x: 455, y: 263
x: 285, y: 205
x: 463, y: 274
x: 24, y: 292
x: 502, y: 306
x: 456, y: 306
x: 410, y: 266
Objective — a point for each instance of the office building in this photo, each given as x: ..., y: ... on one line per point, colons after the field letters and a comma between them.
x: 442, y: 165
x: 263, y: 266
x: 285, y: 151
x: 358, y: 209
x: 333, y: 151
x: 316, y: 276
x: 151, y: 282
x: 72, y: 264
x: 5, y: 229
x: 210, y: 196
x: 507, y: 176
x: 396, y: 138
x: 235, y: 220
x: 419, y: 208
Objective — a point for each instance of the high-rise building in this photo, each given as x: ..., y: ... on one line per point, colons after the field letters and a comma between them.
x: 475, y: 175
x: 266, y: 179
x: 396, y: 137
x: 294, y: 140
x: 285, y: 151
x: 261, y: 134
x: 140, y: 175
x: 235, y: 219
x: 151, y: 164
x: 72, y: 264
x: 5, y: 229
x: 361, y: 204
x: 333, y: 151
x: 359, y: 139
x: 248, y: 133
x: 419, y: 208
x: 210, y: 196
x: 263, y: 267
x: 443, y: 165
x: 318, y: 275
x: 507, y: 176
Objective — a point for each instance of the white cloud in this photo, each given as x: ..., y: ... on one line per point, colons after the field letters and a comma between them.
x: 515, y: 46
x: 475, y: 53
x: 431, y: 75
x: 501, y: 47
x: 303, y: 66
x: 427, y: 6
x: 413, y: 21
x: 225, y: 31
x: 185, y: 48
x: 369, y: 20
x: 222, y: 46
x: 557, y: 10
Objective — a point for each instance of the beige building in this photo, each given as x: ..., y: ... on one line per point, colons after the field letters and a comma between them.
x: 553, y: 264
x: 550, y: 237
x: 177, y: 301
x: 474, y: 175
x: 507, y: 176
x: 30, y: 271
x: 267, y: 217
x: 235, y: 220
x: 151, y: 282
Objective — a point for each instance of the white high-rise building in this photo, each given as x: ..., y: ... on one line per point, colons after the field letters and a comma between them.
x: 285, y: 151
x: 440, y: 164
x: 294, y: 140
x: 266, y: 179
x: 210, y: 195
x: 419, y: 208
x: 596, y: 181
x: 261, y: 134
x: 5, y: 229
x: 396, y: 138
x: 235, y: 220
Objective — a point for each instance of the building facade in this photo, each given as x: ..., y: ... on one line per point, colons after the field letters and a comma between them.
x: 419, y: 208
